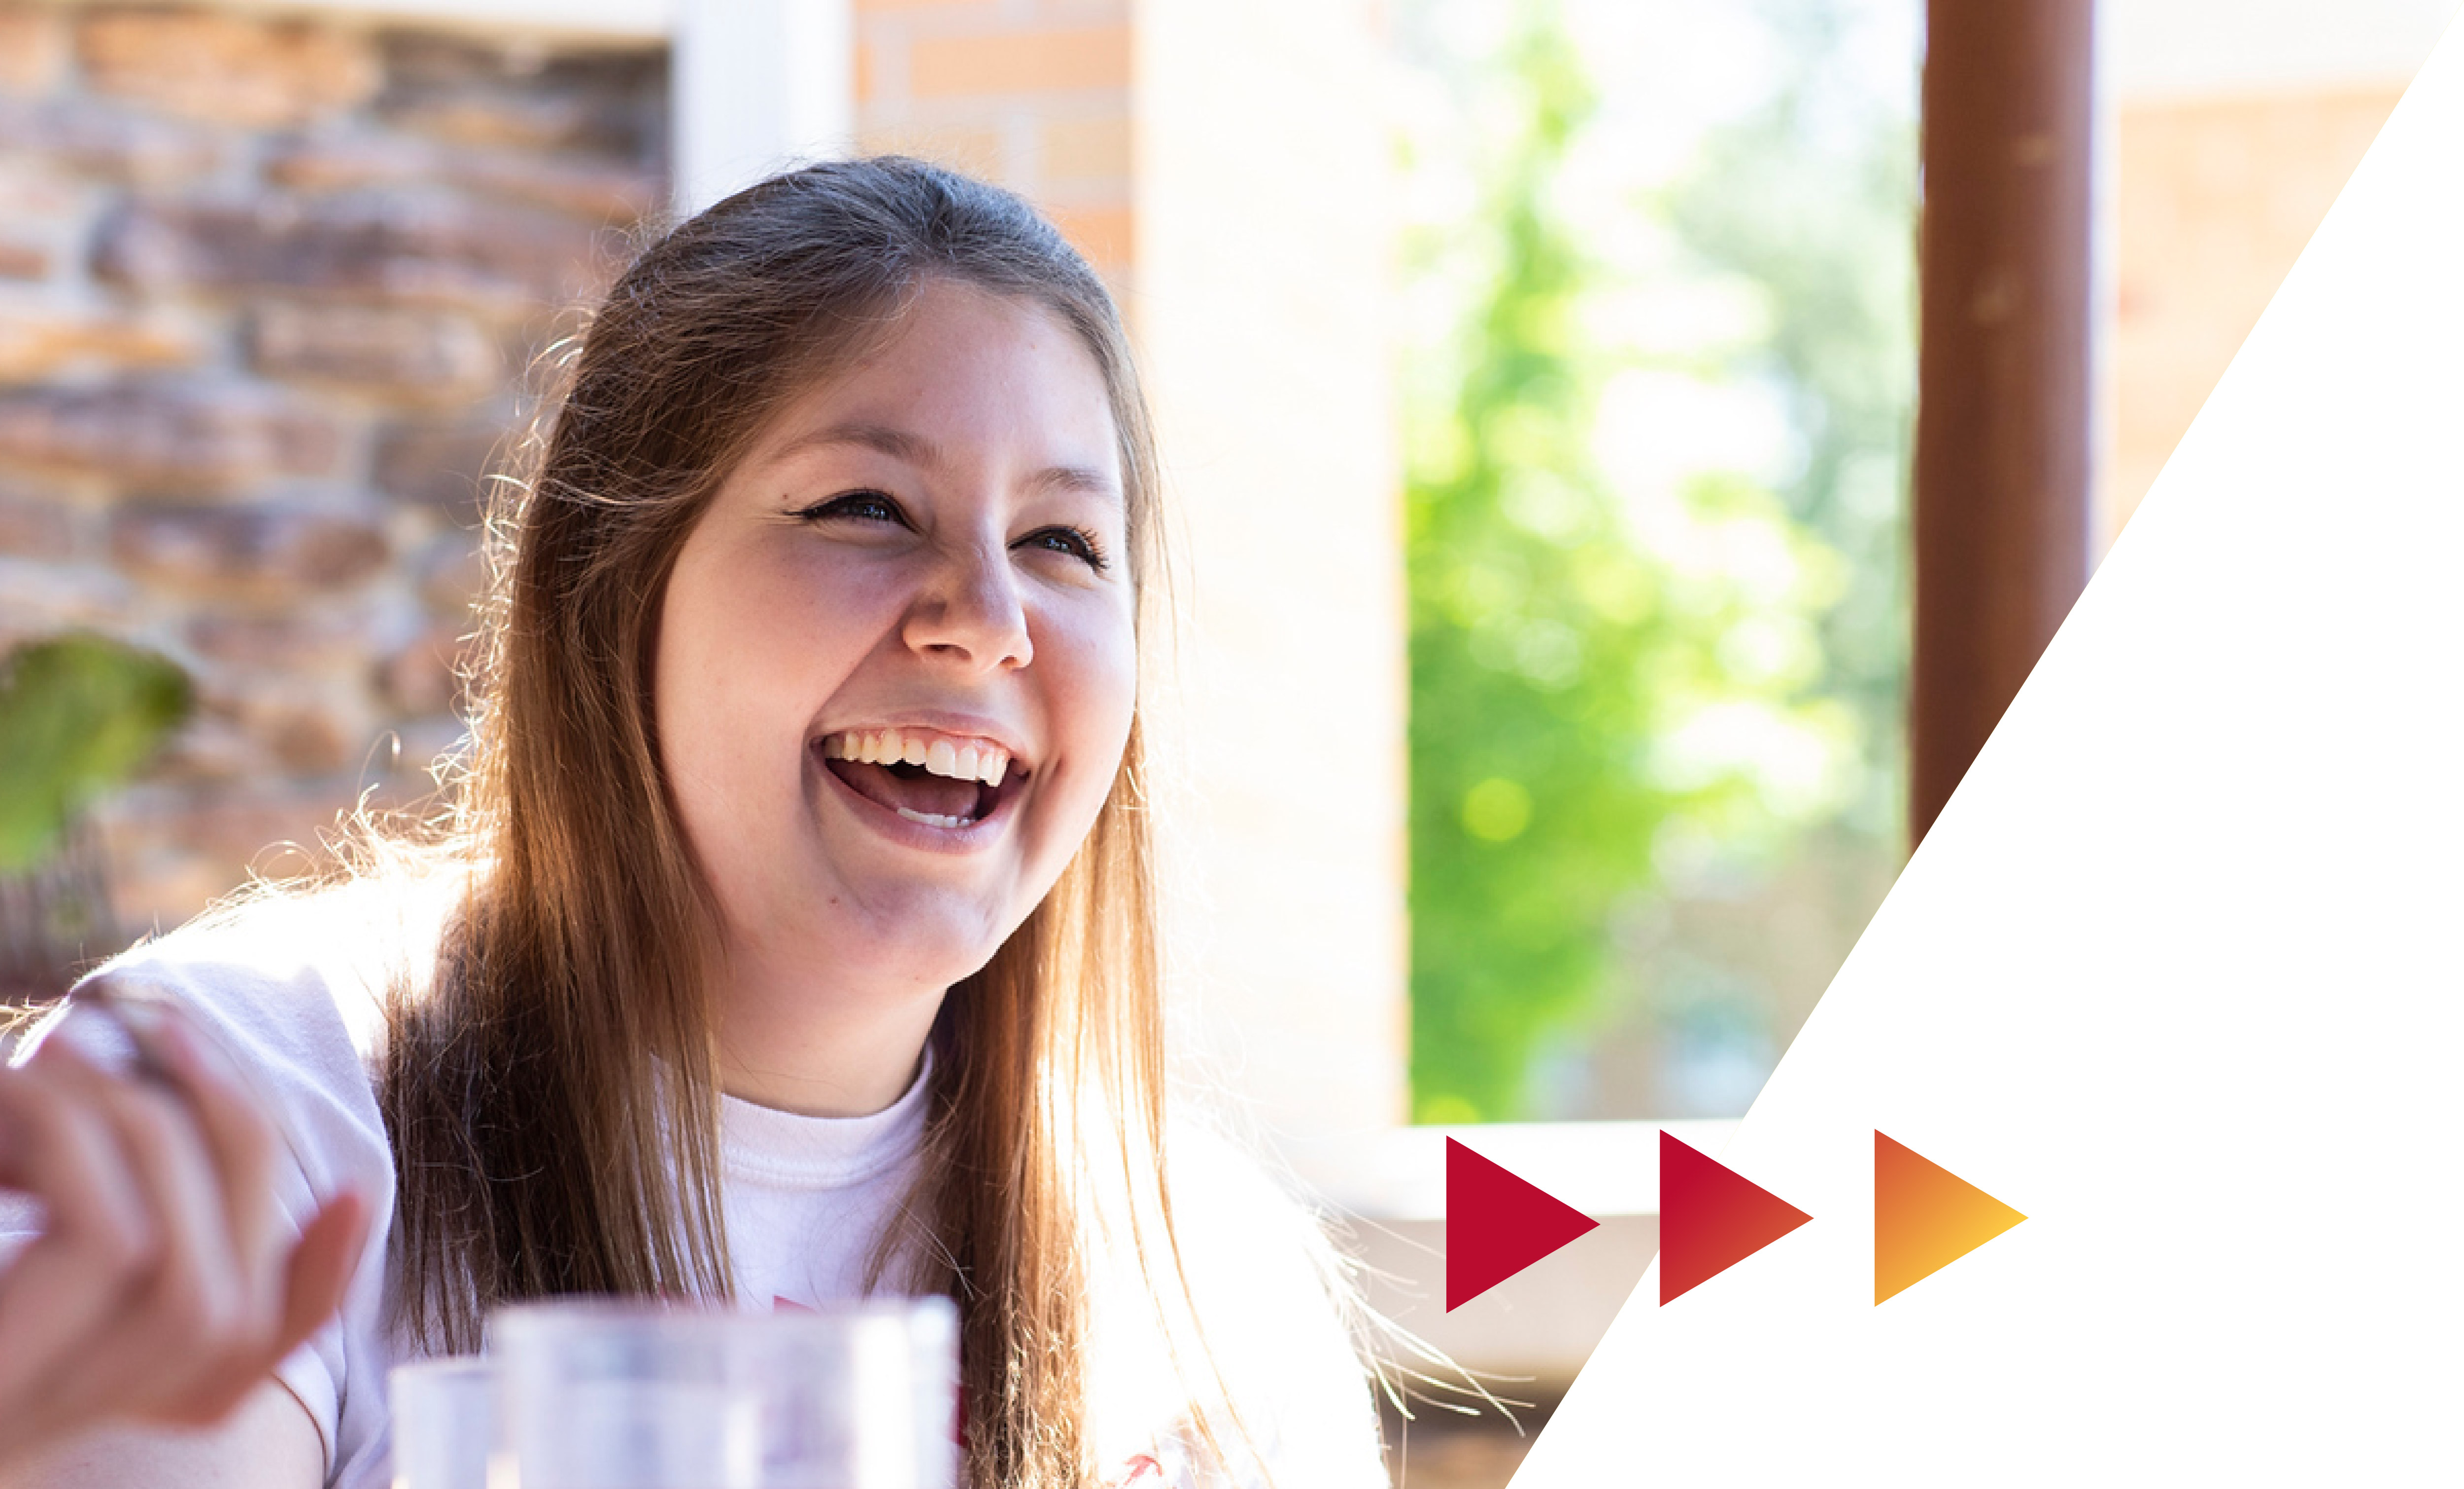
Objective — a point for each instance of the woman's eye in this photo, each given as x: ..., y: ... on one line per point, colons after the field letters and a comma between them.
x: 861, y: 506
x: 1078, y: 544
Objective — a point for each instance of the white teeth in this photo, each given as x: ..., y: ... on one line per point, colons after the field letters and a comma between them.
x: 944, y: 757
x: 934, y: 819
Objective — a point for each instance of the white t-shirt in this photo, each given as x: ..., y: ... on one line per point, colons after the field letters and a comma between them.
x: 293, y: 989
x: 809, y: 1197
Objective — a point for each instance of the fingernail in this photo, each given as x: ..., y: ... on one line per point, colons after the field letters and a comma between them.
x: 143, y: 1016
x: 163, y: 1051
x: 165, y: 1042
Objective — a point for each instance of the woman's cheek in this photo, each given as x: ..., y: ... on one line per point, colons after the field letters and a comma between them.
x: 1089, y: 655
x: 1099, y: 680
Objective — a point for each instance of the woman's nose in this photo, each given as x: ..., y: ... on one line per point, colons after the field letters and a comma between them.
x: 972, y: 614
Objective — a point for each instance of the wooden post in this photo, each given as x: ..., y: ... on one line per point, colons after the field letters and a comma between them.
x: 2002, y: 441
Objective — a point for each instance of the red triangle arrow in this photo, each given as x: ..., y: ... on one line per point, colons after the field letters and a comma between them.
x: 1710, y: 1218
x: 1497, y: 1224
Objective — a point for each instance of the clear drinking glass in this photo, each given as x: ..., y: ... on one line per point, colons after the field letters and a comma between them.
x: 443, y: 1415
x: 619, y: 1395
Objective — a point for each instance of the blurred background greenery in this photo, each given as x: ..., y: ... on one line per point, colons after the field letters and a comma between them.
x: 79, y: 715
x: 1658, y: 391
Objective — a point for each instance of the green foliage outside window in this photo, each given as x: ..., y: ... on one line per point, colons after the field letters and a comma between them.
x: 1586, y: 707
x: 1822, y: 219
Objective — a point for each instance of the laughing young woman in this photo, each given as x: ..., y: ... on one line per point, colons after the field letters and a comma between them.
x: 792, y: 934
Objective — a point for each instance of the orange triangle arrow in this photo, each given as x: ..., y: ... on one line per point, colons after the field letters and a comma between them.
x: 1926, y: 1217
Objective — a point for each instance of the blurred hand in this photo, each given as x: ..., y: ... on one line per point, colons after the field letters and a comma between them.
x: 166, y: 1285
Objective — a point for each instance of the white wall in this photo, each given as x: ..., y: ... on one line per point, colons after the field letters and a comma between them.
x: 759, y: 85
x: 1258, y: 304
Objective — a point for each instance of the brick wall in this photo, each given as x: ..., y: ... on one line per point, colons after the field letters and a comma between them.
x: 1032, y: 93
x: 267, y: 292
x: 2217, y: 197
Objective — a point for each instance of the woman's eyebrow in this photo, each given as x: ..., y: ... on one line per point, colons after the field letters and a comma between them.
x: 1077, y: 478
x: 914, y: 448
x: 896, y: 443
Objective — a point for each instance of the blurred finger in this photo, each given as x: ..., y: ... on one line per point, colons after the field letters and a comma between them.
x: 317, y: 1275
x: 97, y: 1241
x: 322, y: 1267
x: 197, y: 1266
x: 62, y: 1151
x: 243, y: 1144
x: 191, y: 1310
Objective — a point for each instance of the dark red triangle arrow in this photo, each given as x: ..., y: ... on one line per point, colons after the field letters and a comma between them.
x: 1710, y: 1218
x: 1497, y: 1224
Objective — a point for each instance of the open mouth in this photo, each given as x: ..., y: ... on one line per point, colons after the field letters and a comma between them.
x: 939, y: 780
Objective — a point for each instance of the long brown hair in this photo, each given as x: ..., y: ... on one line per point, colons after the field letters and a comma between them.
x: 551, y: 1097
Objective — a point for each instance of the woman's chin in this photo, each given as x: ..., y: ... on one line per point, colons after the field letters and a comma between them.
x: 913, y: 932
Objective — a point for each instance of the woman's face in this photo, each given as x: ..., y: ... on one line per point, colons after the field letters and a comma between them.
x: 895, y: 662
